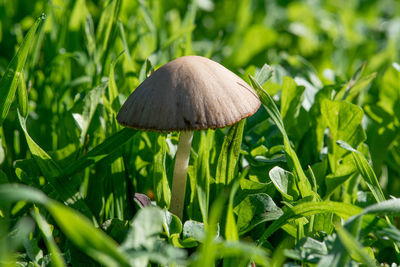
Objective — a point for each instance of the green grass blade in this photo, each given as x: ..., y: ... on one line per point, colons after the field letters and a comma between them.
x: 90, y: 103
x: 160, y: 180
x: 354, y: 247
x: 231, y: 230
x: 343, y: 210
x: 202, y: 167
x: 100, y: 152
x: 56, y: 258
x: 9, y: 81
x: 19, y: 192
x: 292, y: 159
x: 85, y: 236
x: 106, y: 29
x: 52, y: 172
x: 229, y: 155
x: 366, y: 171
x: 387, y: 207
x: 74, y: 225
x: 22, y: 96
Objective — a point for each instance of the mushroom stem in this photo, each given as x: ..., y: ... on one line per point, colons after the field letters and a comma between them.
x: 180, y: 172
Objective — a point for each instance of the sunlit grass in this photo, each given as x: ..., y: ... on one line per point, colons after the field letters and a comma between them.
x: 311, y: 179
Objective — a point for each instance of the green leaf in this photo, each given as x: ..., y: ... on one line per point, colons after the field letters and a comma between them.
x: 10, y: 79
x: 343, y: 120
x: 119, y: 188
x: 100, y: 152
x: 365, y: 170
x: 254, y: 210
x: 229, y: 155
x: 107, y: 25
x: 22, y: 96
x: 231, y: 230
x: 291, y: 99
x: 75, y: 226
x: 243, y: 252
x: 171, y: 223
x: 343, y: 210
x: 85, y: 236
x: 142, y: 243
x: 146, y: 225
x: 387, y: 207
x: 55, y: 254
x: 284, y: 183
x: 90, y: 102
x: 264, y: 74
x: 52, y: 172
x: 160, y: 181
x: 202, y: 170
x: 253, y: 42
x: 195, y: 230
x: 18, y: 192
x: 292, y: 159
x: 354, y: 247
x: 389, y: 94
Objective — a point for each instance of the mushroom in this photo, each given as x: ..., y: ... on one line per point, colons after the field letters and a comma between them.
x: 186, y: 94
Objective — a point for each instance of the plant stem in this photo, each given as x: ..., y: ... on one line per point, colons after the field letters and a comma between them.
x: 180, y: 172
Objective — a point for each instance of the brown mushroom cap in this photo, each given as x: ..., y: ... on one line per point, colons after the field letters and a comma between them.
x: 189, y: 93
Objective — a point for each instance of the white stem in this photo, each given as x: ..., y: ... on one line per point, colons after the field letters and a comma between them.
x: 180, y: 172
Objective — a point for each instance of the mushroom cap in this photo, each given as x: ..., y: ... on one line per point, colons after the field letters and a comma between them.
x: 189, y: 93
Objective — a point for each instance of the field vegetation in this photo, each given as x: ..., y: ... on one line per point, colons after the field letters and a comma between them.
x: 311, y: 179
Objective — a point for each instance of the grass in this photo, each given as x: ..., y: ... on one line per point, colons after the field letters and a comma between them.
x: 311, y: 179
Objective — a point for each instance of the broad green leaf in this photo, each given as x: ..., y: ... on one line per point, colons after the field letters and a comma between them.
x: 389, y: 93
x: 142, y: 243
x: 193, y: 229
x: 284, y: 183
x: 146, y: 225
x: 90, y: 102
x: 10, y: 79
x: 307, y: 250
x: 264, y: 74
x: 343, y: 210
x: 365, y: 170
x: 291, y: 99
x: 162, y: 189
x: 254, y: 210
x: 343, y: 120
x: 55, y: 253
x: 171, y: 223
